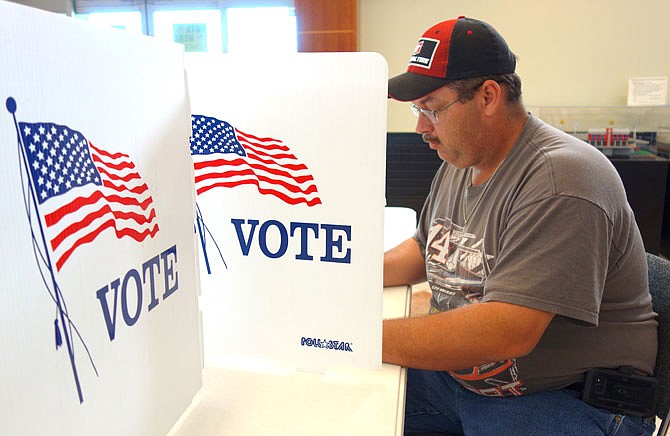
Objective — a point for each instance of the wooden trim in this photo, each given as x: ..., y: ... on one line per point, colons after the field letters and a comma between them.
x: 327, y: 25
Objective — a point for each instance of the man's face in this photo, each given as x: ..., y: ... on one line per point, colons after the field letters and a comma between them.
x: 454, y: 133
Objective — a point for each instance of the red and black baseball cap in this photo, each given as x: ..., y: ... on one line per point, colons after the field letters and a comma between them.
x: 451, y: 50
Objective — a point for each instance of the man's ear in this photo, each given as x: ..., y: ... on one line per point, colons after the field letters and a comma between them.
x: 493, y: 96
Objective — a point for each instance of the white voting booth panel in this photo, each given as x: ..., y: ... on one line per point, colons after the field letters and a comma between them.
x: 99, y: 320
x: 399, y: 225
x: 289, y: 156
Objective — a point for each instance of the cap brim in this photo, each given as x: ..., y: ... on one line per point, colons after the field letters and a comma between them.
x: 411, y: 86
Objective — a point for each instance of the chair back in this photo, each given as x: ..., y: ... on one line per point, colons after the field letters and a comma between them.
x: 659, y: 287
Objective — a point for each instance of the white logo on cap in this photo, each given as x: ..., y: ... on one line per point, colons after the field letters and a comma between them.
x: 423, y: 52
x: 417, y: 49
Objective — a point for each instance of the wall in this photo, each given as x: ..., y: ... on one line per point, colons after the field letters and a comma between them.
x: 571, y: 52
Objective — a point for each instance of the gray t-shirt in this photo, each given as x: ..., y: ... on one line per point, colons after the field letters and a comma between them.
x: 552, y: 230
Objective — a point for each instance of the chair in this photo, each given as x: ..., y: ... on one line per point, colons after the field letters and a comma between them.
x: 659, y: 287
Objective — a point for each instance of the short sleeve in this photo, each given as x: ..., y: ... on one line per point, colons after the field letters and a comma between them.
x: 552, y: 256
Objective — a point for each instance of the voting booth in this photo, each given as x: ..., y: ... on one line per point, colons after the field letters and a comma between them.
x: 99, y: 320
x: 165, y: 214
x: 289, y: 159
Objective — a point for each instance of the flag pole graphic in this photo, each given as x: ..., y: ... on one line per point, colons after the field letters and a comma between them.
x: 201, y: 228
x: 57, y: 295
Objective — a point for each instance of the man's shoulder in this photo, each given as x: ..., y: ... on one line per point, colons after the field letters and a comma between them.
x: 562, y: 151
x: 549, y: 139
x: 568, y: 166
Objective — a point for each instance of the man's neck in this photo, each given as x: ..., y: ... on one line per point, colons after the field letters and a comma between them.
x: 505, y: 138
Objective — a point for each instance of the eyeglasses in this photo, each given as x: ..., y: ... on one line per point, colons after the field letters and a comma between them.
x: 432, y: 115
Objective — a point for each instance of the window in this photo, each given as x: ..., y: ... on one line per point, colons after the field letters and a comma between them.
x: 130, y: 21
x: 199, y: 30
x: 201, y: 25
x: 272, y: 29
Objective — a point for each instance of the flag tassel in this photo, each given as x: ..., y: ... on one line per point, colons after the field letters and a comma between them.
x: 59, y: 338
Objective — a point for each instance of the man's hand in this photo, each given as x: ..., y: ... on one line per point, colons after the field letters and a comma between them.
x: 404, y: 264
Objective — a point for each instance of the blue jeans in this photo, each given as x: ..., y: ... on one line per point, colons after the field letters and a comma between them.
x: 437, y: 403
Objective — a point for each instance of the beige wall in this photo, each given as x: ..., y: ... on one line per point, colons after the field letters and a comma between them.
x: 571, y: 52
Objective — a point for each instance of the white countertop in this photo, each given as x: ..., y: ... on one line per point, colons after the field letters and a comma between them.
x: 236, y: 400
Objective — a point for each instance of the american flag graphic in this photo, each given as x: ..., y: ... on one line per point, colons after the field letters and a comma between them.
x: 82, y: 190
x: 224, y: 156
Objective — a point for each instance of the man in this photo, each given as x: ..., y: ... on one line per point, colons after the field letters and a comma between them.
x: 534, y: 260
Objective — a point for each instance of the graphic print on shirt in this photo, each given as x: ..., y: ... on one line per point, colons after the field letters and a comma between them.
x: 457, y: 267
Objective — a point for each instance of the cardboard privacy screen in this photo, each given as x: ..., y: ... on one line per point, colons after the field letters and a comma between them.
x: 99, y: 319
x: 289, y: 161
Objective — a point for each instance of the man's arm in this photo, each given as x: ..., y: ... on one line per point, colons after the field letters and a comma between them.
x: 464, y: 337
x: 404, y: 264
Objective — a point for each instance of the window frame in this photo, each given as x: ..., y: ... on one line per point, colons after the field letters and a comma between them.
x: 146, y: 8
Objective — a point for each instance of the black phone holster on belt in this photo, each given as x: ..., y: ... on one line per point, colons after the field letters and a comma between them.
x: 621, y: 391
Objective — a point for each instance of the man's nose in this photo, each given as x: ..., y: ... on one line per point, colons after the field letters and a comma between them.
x: 423, y: 124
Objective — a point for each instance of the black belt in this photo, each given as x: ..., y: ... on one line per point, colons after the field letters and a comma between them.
x: 576, y: 386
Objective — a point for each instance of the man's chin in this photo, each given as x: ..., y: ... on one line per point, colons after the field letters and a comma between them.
x: 450, y: 159
x: 443, y: 156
